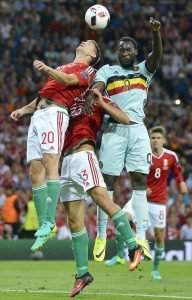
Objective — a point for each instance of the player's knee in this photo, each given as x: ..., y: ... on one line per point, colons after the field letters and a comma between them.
x: 159, y: 238
x: 51, y: 164
x: 138, y: 180
x: 36, y: 173
x: 110, y: 181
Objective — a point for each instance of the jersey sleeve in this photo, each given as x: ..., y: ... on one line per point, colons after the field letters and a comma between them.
x: 143, y: 70
x: 177, y: 170
x: 102, y: 74
x: 85, y: 76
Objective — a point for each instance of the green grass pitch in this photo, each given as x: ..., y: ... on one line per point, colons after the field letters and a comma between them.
x: 31, y: 280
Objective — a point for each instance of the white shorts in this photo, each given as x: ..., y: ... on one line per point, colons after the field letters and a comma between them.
x: 80, y: 172
x: 46, y: 132
x: 157, y: 214
x: 125, y: 146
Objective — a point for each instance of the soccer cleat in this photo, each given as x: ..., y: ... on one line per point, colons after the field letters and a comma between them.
x: 80, y: 284
x: 99, y: 249
x: 155, y: 275
x: 45, y: 229
x: 135, y: 256
x: 115, y: 260
x: 41, y: 240
x: 146, y: 249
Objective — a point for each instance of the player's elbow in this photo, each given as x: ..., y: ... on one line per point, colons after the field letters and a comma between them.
x: 127, y: 121
x: 124, y: 120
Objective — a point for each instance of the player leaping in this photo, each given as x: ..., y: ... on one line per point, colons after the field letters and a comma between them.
x: 80, y: 174
x: 164, y: 161
x: 127, y: 145
x: 47, y: 130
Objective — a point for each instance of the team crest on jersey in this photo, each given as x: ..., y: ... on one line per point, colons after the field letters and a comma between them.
x: 165, y: 164
x: 85, y: 75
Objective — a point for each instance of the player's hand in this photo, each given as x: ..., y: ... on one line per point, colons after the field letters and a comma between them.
x: 155, y: 24
x: 183, y: 188
x: 99, y: 98
x: 90, y: 101
x: 40, y: 66
x: 17, y: 114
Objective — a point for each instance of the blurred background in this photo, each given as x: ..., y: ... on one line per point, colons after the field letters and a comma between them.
x: 50, y: 31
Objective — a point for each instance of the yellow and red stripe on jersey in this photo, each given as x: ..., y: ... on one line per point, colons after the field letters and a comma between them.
x: 119, y: 86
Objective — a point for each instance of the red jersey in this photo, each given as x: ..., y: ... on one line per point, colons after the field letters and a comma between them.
x: 65, y: 95
x: 158, y: 175
x: 83, y: 127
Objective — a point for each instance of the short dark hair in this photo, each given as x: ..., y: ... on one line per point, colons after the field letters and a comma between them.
x: 96, y: 60
x: 158, y: 129
x: 127, y: 39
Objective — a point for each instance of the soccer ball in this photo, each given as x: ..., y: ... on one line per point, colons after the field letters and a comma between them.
x: 97, y: 17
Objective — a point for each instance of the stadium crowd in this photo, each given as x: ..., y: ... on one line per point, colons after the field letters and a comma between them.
x: 50, y: 31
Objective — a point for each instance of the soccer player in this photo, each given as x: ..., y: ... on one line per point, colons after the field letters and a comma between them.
x: 164, y: 161
x: 47, y: 130
x: 80, y: 173
x: 127, y: 145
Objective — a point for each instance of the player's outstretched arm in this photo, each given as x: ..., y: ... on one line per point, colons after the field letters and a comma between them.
x: 25, y: 110
x: 64, y: 78
x: 154, y: 57
x: 115, y: 112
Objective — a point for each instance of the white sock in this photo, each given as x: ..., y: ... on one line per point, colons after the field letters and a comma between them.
x: 140, y: 208
x: 102, y: 220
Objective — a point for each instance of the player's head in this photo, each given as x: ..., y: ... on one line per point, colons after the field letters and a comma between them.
x: 158, y: 137
x: 90, y: 51
x: 127, y: 51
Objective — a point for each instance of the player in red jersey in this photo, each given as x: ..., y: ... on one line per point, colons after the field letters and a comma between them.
x: 47, y: 130
x: 80, y: 173
x: 164, y: 161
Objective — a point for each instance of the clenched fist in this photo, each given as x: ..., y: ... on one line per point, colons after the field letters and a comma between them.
x: 155, y: 24
x: 17, y: 114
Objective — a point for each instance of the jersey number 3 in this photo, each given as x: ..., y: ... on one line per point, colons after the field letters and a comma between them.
x: 157, y: 173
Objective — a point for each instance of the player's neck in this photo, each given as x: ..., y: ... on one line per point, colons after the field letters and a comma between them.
x: 157, y: 152
x: 80, y: 59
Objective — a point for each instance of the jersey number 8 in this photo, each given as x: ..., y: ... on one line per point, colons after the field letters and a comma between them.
x: 157, y: 173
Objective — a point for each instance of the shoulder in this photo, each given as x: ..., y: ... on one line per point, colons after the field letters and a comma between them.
x: 104, y: 68
x: 90, y: 70
x: 171, y: 154
x: 143, y: 69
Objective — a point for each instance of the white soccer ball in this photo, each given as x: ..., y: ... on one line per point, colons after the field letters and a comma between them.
x: 97, y: 17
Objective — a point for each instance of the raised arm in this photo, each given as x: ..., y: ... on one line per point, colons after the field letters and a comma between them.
x: 25, y: 110
x: 154, y: 57
x: 64, y: 78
